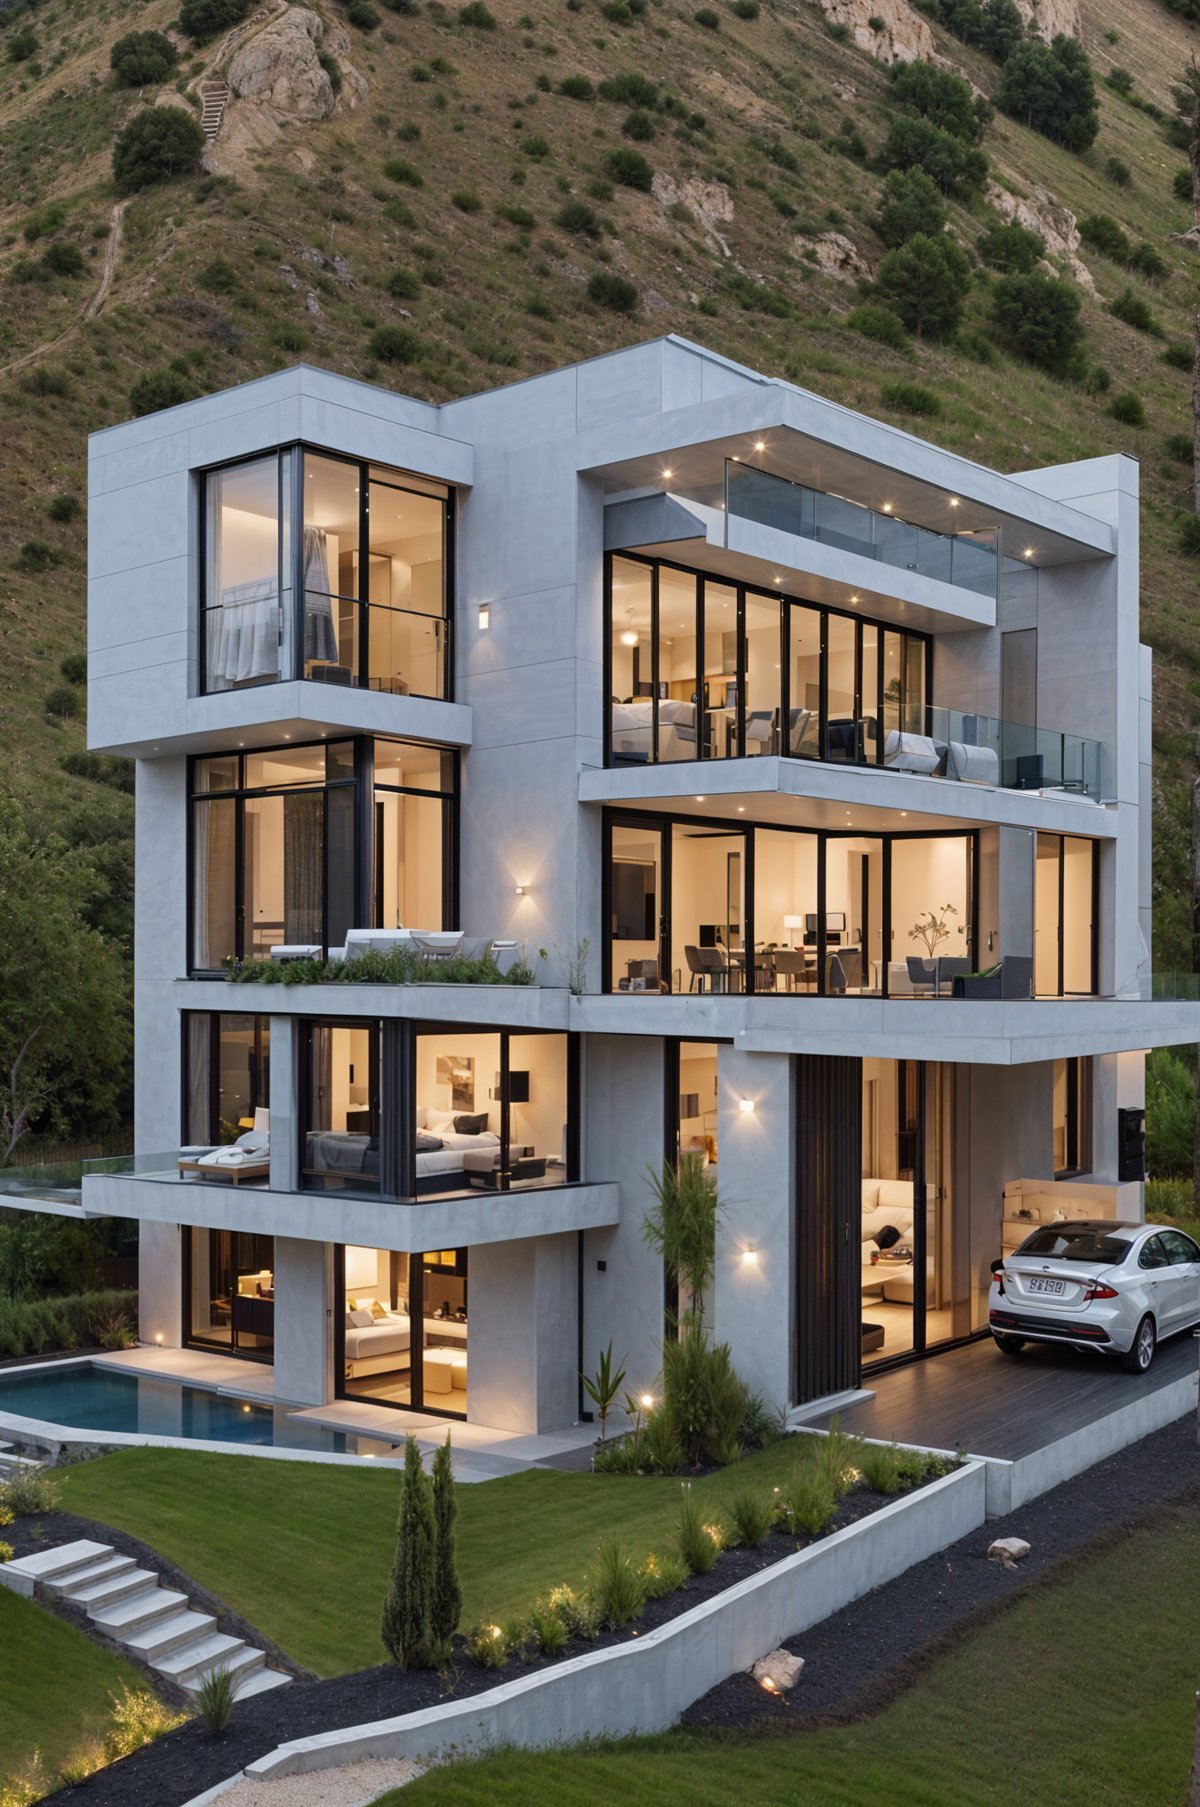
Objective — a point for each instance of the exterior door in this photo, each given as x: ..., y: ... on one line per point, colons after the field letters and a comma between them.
x: 828, y: 1311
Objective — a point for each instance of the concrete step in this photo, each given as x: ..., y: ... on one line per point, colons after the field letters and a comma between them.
x: 261, y: 1681
x: 47, y: 1565
x: 242, y: 1664
x: 105, y: 1568
x: 122, y: 1618
x: 105, y: 1593
x: 203, y: 1653
x: 163, y: 1636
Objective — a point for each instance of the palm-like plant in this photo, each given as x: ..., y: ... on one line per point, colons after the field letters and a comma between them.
x: 603, y: 1386
x: 682, y: 1227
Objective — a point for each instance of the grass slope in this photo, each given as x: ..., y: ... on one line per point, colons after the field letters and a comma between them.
x: 1082, y: 1695
x: 304, y: 1551
x: 217, y: 273
x: 57, y: 1685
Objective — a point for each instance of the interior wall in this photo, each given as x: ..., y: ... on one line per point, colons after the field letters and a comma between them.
x: 483, y: 1050
x: 925, y: 876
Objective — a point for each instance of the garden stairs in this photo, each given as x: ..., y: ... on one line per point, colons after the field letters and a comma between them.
x: 129, y: 1605
x: 213, y: 96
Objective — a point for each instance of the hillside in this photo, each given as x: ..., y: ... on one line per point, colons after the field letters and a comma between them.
x: 430, y: 200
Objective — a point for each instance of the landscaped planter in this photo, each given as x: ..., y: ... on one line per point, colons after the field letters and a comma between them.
x: 644, y: 1683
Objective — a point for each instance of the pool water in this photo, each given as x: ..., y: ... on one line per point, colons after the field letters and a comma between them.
x: 100, y: 1399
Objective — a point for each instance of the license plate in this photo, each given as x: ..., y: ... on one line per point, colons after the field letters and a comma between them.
x: 1047, y: 1286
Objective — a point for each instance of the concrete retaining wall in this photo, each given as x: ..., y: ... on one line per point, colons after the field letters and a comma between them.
x: 644, y: 1685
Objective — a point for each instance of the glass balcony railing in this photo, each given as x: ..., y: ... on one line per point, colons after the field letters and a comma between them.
x: 968, y: 560
x: 979, y: 749
x: 373, y: 647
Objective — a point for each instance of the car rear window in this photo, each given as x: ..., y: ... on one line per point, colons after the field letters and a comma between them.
x: 1069, y: 1242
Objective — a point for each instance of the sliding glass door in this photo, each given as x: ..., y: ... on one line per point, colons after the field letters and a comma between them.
x: 1065, y: 917
x: 401, y: 1334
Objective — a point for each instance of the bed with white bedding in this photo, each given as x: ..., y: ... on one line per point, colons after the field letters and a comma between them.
x: 383, y: 1345
x: 439, y: 1169
x: 633, y: 727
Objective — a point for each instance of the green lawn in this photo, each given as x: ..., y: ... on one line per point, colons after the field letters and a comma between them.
x: 1082, y: 1695
x: 303, y: 1550
x: 56, y: 1685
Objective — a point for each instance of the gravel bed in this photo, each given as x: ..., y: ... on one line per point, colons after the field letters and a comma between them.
x: 852, y: 1668
x: 354, y: 1785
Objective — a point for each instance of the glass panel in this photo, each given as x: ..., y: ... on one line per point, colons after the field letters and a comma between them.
x: 853, y: 915
x: 339, y: 881
x: 376, y: 1352
x: 844, y: 735
x: 408, y: 861
x: 443, y: 1279
x: 243, y: 624
x: 407, y: 550
x: 1078, y: 973
x: 400, y: 762
x: 1045, y: 917
x: 889, y: 1130
x: 407, y: 653
x: 241, y: 1045
x: 869, y: 685
x: 949, y: 1285
x: 893, y: 683
x: 339, y: 761
x: 720, y: 671
x: 804, y: 709
x: 931, y: 914
x: 458, y: 1119
x: 899, y: 543
x: 341, y: 1142
x: 214, y: 883
x: 698, y: 1100
x: 635, y: 883
x: 219, y: 774
x: 676, y: 665
x: 232, y: 1292
x: 914, y: 685
x: 329, y: 562
x: 284, y: 767
x: 632, y: 709
x: 283, y: 859
x: 785, y: 898
x: 763, y: 660
x: 537, y: 1113
x: 707, y: 915
x: 844, y: 524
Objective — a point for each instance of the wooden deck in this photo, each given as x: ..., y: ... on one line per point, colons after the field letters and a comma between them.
x: 989, y: 1404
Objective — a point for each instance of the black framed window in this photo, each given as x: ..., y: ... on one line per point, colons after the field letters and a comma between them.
x: 229, y: 1292
x: 327, y: 568
x: 1066, y: 916
x: 293, y: 846
x: 341, y: 1144
x: 401, y: 1333
x: 697, y: 667
x: 1072, y: 1116
x: 227, y: 1076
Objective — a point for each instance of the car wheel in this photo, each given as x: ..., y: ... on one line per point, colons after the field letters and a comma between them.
x: 1010, y: 1345
x: 1140, y: 1353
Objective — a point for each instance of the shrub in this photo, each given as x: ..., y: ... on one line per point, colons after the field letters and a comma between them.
x: 362, y: 15
x: 977, y: 346
x: 910, y: 202
x: 138, y: 1718
x: 537, y: 147
x: 399, y: 169
x: 1179, y: 448
x: 1164, y: 1198
x: 879, y: 1470
x: 746, y: 9
x: 926, y: 282
x: 1187, y: 537
x: 155, y: 389
x: 489, y: 1646
x: 663, y: 1575
x: 613, y: 292
x: 639, y: 125
x: 1101, y: 233
x: 702, y: 1397
x: 630, y: 91
x: 577, y: 1614
x: 405, y: 1625
x: 1049, y: 87
x: 1119, y: 80
x: 30, y: 1492
x: 404, y: 285
x: 36, y: 556
x: 879, y: 323
x: 477, y: 16
x: 808, y: 1500
x: 698, y: 1541
x: 517, y: 216
x: 142, y: 58
x: 203, y: 19
x: 46, y: 380
x: 910, y: 398
x: 22, y: 44
x: 708, y: 18
x: 1179, y: 356
x: 1118, y: 172
x: 1127, y: 408
x: 617, y: 12
x: 1038, y: 318
x: 1170, y: 1082
x: 74, y: 667
x: 659, y: 1447
x: 752, y: 1511
x: 550, y: 1634
x: 47, y: 1325
x: 1181, y: 185
x: 579, y: 218
x: 1135, y: 312
x: 1148, y: 263
x: 394, y: 345
x: 1011, y: 248
x: 61, y: 702
x: 958, y: 168
x: 836, y: 1455
x: 466, y: 200
x: 215, y: 1697
x: 158, y: 145
x: 577, y: 87
x: 618, y: 1586
x: 630, y: 169
x: 445, y: 1603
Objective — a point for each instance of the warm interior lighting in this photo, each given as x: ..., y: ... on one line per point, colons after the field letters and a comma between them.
x: 630, y: 636
x: 485, y: 617
x: 746, y: 1104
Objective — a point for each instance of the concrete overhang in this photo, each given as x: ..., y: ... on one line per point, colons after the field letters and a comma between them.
x: 1005, y: 1034
x: 833, y: 449
x: 813, y: 794
x: 693, y: 533
x: 480, y: 1006
x: 371, y: 1223
x: 267, y: 714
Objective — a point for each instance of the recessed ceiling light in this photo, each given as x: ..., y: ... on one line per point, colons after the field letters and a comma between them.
x: 736, y: 459
x: 1029, y: 552
x: 887, y: 508
x: 668, y: 473
x: 741, y: 809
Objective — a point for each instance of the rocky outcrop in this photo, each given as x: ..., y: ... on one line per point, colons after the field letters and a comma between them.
x: 278, y: 68
x: 1051, y: 18
x: 709, y: 203
x: 834, y: 255
x: 1039, y: 211
x: 904, y: 36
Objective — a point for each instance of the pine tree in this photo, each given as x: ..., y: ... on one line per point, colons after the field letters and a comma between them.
x: 446, y: 1603
x: 405, y: 1626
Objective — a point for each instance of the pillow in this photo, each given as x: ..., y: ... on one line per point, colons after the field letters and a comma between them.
x: 255, y: 1139
x: 364, y: 1304
x: 422, y: 1115
x: 471, y: 1126
x: 438, y: 1120
x: 350, y: 1320
x: 888, y: 1237
x: 360, y: 1320
x: 376, y: 1310
x: 428, y: 1144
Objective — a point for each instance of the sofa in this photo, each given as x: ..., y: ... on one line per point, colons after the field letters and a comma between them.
x: 886, y: 1204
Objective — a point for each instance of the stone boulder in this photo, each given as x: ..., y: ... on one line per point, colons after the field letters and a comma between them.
x: 905, y: 36
x: 1008, y: 1551
x: 710, y: 203
x: 778, y: 1671
x: 834, y: 255
x: 1039, y: 211
x: 278, y: 68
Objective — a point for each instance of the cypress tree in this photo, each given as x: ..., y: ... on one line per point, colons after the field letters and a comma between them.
x: 405, y: 1626
x: 446, y: 1604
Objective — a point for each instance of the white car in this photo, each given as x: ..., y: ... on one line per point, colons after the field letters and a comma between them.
x: 1116, y: 1287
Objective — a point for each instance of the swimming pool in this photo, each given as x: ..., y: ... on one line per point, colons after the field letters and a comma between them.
x: 87, y: 1398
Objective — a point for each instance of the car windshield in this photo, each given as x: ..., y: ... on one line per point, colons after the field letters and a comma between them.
x: 1075, y: 1242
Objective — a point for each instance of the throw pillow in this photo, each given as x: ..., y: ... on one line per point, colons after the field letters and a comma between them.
x: 471, y: 1126
x: 888, y: 1237
x: 427, y: 1144
x: 361, y: 1320
x: 438, y: 1121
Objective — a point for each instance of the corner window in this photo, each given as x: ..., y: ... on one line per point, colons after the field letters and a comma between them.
x: 328, y: 569
x: 227, y: 1086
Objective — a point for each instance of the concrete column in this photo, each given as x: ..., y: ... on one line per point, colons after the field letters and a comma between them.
x: 303, y: 1321
x: 623, y: 1131
x: 285, y: 1104
x: 160, y: 1284
x: 523, y: 1334
x: 756, y: 1167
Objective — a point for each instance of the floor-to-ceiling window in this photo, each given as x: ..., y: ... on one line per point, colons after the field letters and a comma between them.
x: 227, y: 1076
x: 492, y: 1112
x: 402, y: 1336
x: 1065, y: 893
x: 1072, y: 1116
x: 341, y: 1139
x: 229, y: 1292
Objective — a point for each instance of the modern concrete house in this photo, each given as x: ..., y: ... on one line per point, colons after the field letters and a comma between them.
x: 806, y: 765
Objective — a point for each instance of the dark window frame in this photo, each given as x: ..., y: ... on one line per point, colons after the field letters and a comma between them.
x: 213, y: 1018
x: 310, y: 1026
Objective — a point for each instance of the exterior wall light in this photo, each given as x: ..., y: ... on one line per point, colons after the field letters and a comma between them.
x: 954, y: 501
x: 158, y: 1338
x: 520, y: 890
x: 887, y: 508
x: 646, y: 1401
x: 668, y: 475
x: 485, y: 617
x: 746, y: 1104
x: 749, y: 1257
x: 760, y: 445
